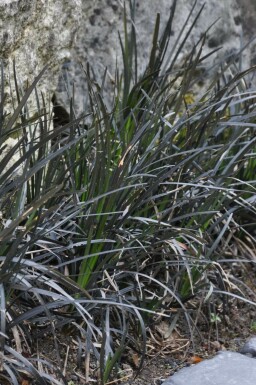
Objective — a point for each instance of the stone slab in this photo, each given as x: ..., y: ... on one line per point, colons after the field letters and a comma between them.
x: 226, y: 368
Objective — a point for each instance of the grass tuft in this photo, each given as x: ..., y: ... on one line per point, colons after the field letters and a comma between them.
x: 107, y: 225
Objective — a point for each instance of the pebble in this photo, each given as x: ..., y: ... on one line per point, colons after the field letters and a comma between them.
x: 249, y: 348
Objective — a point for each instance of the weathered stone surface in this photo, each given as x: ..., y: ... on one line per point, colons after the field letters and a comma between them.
x: 97, y: 37
x: 8, y: 145
x: 36, y: 33
x: 66, y: 33
x: 226, y: 368
x: 248, y: 14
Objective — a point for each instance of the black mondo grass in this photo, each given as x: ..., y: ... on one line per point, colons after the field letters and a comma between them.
x: 107, y: 226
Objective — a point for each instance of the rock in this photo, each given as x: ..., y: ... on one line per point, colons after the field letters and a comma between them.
x: 36, y: 33
x: 97, y: 37
x: 66, y: 33
x: 6, y: 147
x: 248, y: 12
x: 226, y: 368
x: 250, y: 347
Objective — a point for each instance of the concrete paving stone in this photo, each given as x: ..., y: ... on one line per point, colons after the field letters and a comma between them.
x: 226, y: 368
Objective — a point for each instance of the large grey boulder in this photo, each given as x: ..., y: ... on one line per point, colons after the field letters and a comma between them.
x: 66, y: 33
x: 226, y: 368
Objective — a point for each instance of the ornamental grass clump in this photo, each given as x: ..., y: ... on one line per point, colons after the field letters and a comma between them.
x: 130, y: 215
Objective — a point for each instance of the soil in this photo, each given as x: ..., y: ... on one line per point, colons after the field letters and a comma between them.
x: 227, y: 328
x: 224, y: 326
x: 165, y: 354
